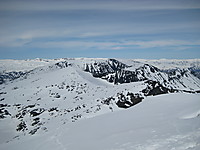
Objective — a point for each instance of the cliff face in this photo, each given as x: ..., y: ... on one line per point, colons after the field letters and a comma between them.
x: 118, y: 73
x: 73, y: 89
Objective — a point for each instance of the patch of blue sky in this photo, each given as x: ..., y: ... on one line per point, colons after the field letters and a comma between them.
x: 107, y: 28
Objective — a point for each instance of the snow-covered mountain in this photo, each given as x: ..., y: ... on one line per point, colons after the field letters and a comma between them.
x: 70, y: 98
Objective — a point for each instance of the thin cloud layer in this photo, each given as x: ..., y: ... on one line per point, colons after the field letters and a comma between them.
x: 98, y: 26
x: 117, y: 45
x: 118, y: 5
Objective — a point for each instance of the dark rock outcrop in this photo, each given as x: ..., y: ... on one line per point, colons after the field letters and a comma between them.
x: 36, y: 112
x: 116, y: 72
x: 128, y: 100
x: 4, y: 113
x: 22, y: 126
x: 195, y: 71
x: 101, y: 69
x: 9, y: 76
x: 155, y: 88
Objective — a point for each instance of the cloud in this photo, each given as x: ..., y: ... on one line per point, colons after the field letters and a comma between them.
x: 42, y: 5
x: 93, y: 32
x: 21, y: 38
x: 75, y: 45
x: 163, y: 43
x: 114, y: 25
x: 78, y: 38
x: 29, y: 25
x: 119, y: 45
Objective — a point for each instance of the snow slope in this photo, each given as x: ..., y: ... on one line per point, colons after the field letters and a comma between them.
x: 59, y: 104
x: 171, y: 63
x: 157, y: 123
x: 29, y: 64
x: 8, y: 65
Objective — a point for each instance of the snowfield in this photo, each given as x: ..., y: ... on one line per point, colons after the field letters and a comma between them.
x: 99, y: 104
x: 157, y: 123
x: 29, y: 64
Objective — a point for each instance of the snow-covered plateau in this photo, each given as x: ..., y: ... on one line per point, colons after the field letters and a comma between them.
x: 101, y: 104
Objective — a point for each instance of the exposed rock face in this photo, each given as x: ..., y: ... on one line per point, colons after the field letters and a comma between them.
x: 10, y: 76
x: 22, y: 126
x: 101, y: 69
x: 155, y: 88
x: 128, y: 100
x: 3, y: 111
x: 118, y: 73
x: 36, y: 112
x: 62, y: 64
x: 73, y: 94
x: 195, y: 71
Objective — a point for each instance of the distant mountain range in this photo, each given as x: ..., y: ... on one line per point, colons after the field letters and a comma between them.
x: 36, y: 93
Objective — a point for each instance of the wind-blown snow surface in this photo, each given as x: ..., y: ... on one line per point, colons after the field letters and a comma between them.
x: 159, y: 122
x: 29, y: 64
x: 60, y: 104
x: 172, y: 63
x: 23, y: 65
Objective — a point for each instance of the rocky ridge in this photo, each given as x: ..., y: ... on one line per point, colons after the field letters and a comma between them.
x: 66, y: 91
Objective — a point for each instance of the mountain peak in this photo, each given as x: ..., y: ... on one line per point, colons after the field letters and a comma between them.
x: 68, y: 90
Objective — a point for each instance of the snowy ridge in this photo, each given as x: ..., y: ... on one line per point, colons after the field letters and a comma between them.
x: 9, y: 65
x: 165, y: 64
x: 58, y: 98
x: 117, y: 72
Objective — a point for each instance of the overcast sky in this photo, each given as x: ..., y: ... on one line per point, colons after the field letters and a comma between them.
x: 150, y: 29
